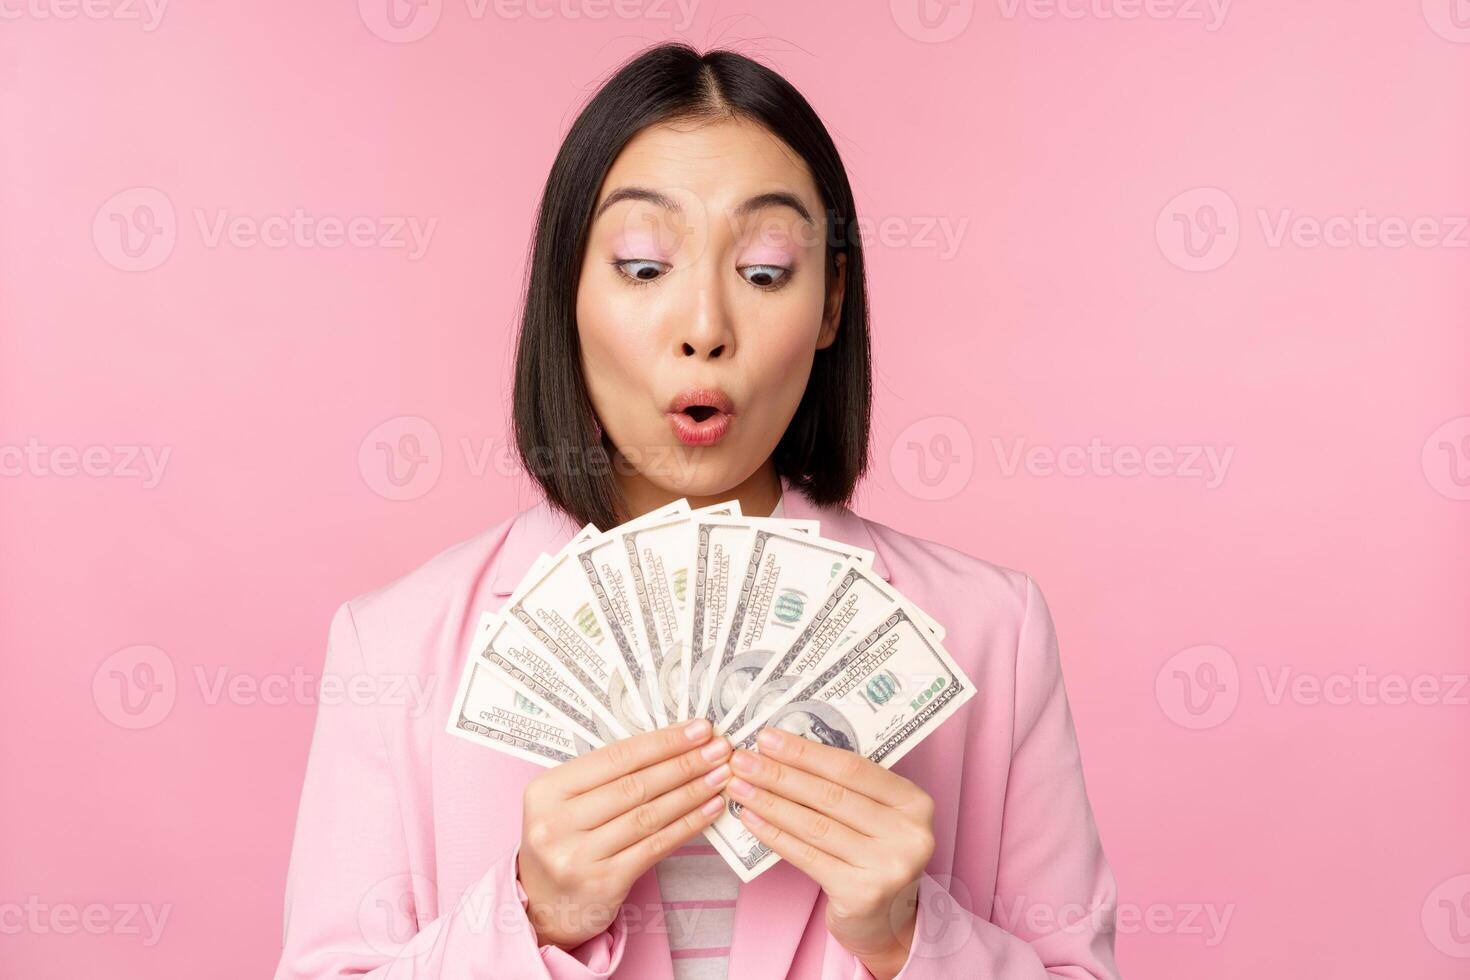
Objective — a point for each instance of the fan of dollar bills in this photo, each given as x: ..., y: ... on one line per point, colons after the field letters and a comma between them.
x: 687, y: 613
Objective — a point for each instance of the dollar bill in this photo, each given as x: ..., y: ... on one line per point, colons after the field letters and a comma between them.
x: 526, y: 666
x: 880, y: 697
x: 658, y: 556
x: 721, y: 551
x: 610, y: 586
x: 603, y: 563
x: 785, y: 576
x: 559, y: 610
x: 489, y: 712
x: 858, y: 601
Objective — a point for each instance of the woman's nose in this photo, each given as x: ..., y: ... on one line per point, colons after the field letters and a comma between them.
x: 706, y: 330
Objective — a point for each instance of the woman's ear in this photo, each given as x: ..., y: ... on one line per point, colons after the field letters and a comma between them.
x: 832, y: 309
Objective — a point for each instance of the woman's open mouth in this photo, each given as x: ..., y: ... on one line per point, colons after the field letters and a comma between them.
x: 700, y: 416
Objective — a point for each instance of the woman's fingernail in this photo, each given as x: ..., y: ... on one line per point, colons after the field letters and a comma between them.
x: 751, y: 817
x: 717, y: 777
x: 711, y: 806
x: 745, y: 762
x: 741, y: 788
x: 697, y: 729
x: 769, y: 738
x: 715, y: 749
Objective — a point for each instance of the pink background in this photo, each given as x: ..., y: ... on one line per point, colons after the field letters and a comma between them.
x: 1254, y: 832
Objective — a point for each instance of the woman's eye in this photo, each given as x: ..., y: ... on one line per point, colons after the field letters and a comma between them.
x: 640, y: 270
x: 765, y: 276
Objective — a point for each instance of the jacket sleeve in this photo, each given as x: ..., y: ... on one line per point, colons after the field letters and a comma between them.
x: 1055, y: 907
x: 356, y: 906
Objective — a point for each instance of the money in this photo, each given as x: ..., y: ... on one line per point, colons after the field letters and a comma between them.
x: 707, y: 613
x: 858, y: 601
x: 561, y: 612
x: 527, y: 667
x: 600, y: 560
x: 879, y: 697
x: 610, y: 587
x: 721, y: 551
x: 489, y: 712
x: 784, y: 574
x: 658, y: 557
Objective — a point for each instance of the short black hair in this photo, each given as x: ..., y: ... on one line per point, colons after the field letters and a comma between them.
x: 824, y: 451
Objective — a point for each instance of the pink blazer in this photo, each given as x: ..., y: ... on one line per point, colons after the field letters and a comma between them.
x: 404, y: 858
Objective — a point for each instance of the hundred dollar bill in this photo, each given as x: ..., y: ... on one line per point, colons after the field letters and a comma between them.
x: 581, y: 653
x: 556, y: 606
x: 785, y: 578
x: 489, y: 712
x: 858, y: 601
x: 526, y: 726
x: 609, y: 583
x: 526, y: 666
x: 721, y: 551
x: 610, y: 586
x: 880, y: 697
x: 658, y: 556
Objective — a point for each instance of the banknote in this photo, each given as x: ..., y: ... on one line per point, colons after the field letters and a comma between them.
x: 879, y: 697
x: 785, y: 575
x: 604, y: 565
x: 558, y: 608
x: 858, y: 601
x: 527, y: 666
x: 607, y: 580
x: 546, y: 673
x: 582, y: 663
x: 721, y: 551
x: 658, y: 556
x: 489, y: 712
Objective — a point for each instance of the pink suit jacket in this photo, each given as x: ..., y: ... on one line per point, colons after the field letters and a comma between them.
x: 404, y: 859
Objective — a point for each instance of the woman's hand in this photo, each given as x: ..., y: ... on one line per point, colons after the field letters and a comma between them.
x: 862, y: 832
x: 590, y: 827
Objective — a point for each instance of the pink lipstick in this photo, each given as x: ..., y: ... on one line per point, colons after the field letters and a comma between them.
x: 700, y: 416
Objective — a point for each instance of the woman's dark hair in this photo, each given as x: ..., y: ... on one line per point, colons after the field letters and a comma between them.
x: 824, y: 450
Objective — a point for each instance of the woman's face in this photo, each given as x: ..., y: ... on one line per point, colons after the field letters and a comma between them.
x: 704, y: 283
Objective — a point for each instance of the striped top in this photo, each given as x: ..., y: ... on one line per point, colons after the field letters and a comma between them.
x: 698, y: 891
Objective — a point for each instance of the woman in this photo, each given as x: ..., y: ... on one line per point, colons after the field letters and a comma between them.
x: 696, y: 326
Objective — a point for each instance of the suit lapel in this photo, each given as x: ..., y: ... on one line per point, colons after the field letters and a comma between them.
x: 771, y: 914
x: 838, y: 523
x: 538, y: 528
x: 647, y: 953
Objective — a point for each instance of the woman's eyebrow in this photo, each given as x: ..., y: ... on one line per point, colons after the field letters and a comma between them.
x: 770, y: 199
